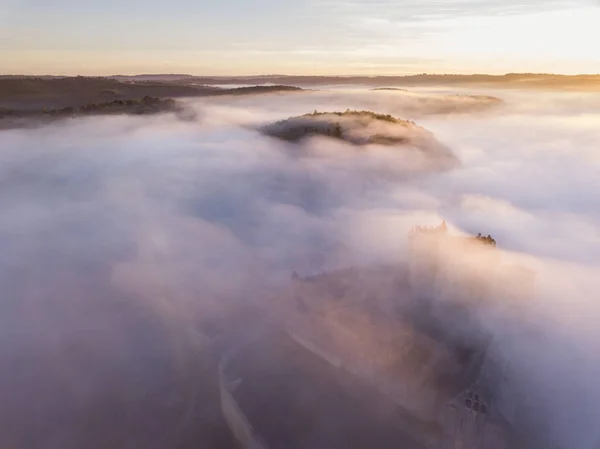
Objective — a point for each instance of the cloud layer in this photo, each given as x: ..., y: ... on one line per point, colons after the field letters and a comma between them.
x: 118, y: 232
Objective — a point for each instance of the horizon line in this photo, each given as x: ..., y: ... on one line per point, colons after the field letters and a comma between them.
x: 263, y: 75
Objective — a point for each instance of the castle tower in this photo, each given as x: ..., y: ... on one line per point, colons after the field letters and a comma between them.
x: 452, y: 276
x: 424, y: 245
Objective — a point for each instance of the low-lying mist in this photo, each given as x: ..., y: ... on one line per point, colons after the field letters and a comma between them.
x: 119, y: 233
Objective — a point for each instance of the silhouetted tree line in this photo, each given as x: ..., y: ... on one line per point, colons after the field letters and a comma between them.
x: 487, y: 239
x: 349, y: 113
x: 293, y: 128
x: 140, y: 106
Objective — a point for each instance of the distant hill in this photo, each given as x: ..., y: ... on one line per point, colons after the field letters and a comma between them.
x: 390, y: 89
x: 339, y: 125
x: 365, y: 128
x: 10, y: 119
x: 510, y: 80
x: 146, y: 105
x: 590, y: 82
x: 250, y: 90
x: 36, y: 93
x: 151, y: 77
x: 32, y: 101
x: 417, y: 104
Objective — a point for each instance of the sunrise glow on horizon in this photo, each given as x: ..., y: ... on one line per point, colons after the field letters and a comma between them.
x: 320, y: 37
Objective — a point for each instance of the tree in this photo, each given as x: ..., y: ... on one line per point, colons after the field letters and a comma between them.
x: 337, y: 131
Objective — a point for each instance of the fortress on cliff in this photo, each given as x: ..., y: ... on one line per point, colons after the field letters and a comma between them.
x: 419, y: 334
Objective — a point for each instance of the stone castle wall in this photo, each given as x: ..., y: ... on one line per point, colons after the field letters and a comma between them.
x: 469, y: 272
x: 421, y: 402
x: 462, y: 428
x: 434, y: 276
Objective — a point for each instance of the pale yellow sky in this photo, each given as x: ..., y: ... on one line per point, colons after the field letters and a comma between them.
x: 322, y: 37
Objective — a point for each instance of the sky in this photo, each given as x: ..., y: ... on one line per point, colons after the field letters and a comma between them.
x: 345, y: 37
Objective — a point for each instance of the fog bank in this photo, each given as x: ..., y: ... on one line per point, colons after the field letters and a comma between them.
x: 118, y: 233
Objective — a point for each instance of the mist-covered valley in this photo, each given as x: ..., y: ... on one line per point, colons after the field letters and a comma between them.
x: 120, y: 234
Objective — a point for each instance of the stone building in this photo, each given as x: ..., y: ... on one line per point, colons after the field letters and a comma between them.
x: 469, y: 422
x: 433, y: 355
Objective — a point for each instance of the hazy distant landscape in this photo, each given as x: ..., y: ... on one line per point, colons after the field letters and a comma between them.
x: 38, y: 95
x: 29, y: 92
x: 34, y: 101
x: 514, y: 80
